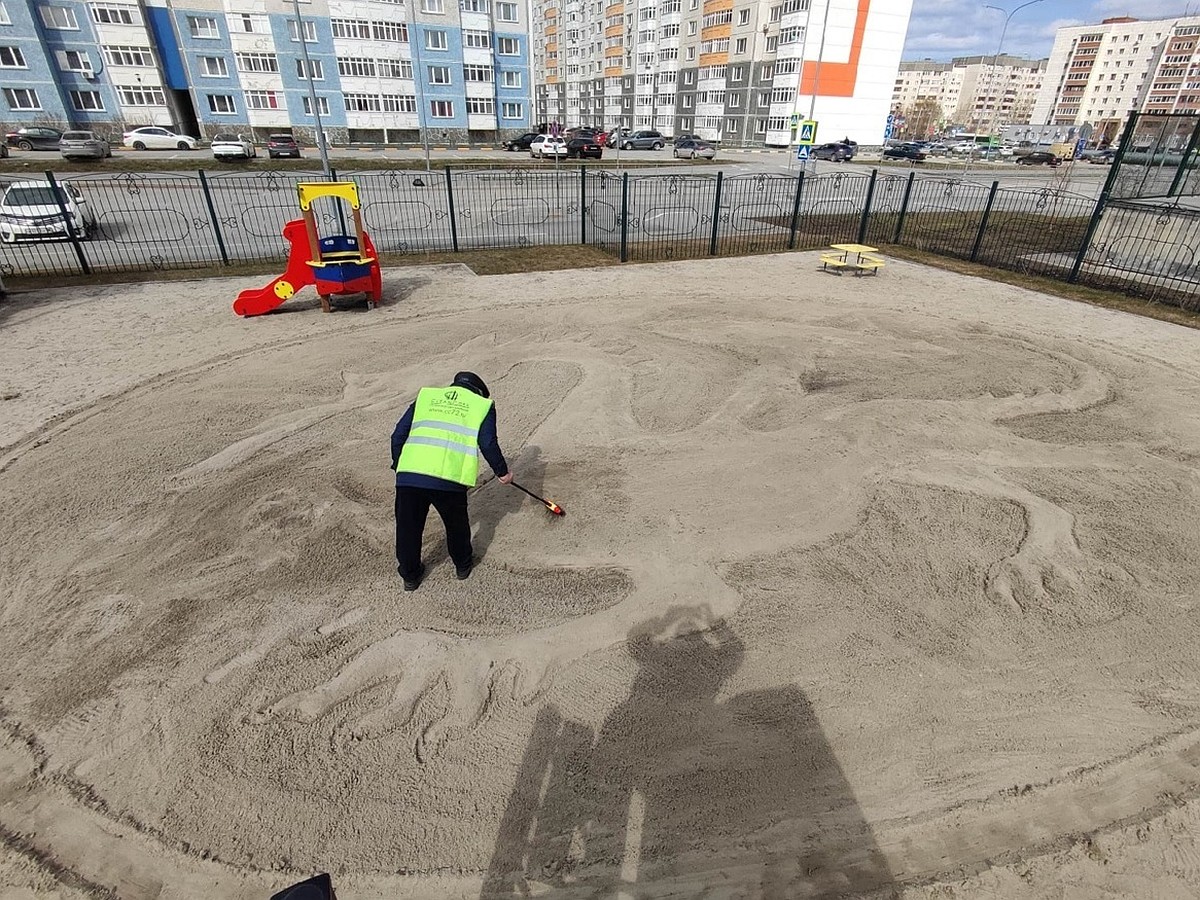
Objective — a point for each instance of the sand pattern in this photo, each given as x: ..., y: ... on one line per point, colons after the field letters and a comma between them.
x: 857, y: 594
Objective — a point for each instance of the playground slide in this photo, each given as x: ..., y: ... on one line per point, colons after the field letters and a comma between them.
x: 256, y: 301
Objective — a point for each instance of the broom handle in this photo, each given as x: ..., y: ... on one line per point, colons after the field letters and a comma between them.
x: 527, y: 491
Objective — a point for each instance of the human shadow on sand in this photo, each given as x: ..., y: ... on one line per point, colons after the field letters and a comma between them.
x: 681, y: 794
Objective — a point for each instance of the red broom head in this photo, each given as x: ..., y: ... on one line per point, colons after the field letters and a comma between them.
x: 555, y: 508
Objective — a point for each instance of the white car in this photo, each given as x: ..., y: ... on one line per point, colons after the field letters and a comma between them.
x: 544, y: 145
x: 233, y: 146
x: 28, y: 211
x: 152, y: 137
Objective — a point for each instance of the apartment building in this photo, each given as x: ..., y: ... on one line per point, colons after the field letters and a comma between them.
x: 1098, y: 74
x: 736, y: 71
x: 979, y: 92
x: 381, y: 70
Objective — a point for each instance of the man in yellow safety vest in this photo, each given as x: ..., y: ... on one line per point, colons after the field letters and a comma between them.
x: 435, y: 453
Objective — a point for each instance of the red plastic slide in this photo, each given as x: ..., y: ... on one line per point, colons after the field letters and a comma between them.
x: 298, y: 274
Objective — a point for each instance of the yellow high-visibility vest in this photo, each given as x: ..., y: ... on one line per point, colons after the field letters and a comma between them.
x: 444, y: 439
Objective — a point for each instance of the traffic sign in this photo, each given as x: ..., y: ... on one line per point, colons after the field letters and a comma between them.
x: 888, y: 132
x: 795, y: 119
x: 802, y: 153
x: 891, y: 119
x: 808, y: 133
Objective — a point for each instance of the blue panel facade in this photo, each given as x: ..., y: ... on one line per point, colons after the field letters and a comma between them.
x: 166, y: 46
x: 295, y: 88
x: 451, y: 58
x: 517, y: 93
x: 44, y: 74
x: 218, y: 98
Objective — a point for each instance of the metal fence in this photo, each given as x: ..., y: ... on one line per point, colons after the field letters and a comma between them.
x: 147, y: 222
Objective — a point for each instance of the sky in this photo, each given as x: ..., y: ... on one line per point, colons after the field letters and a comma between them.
x: 942, y: 29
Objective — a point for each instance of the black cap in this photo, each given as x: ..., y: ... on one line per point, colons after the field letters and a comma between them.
x: 471, y: 382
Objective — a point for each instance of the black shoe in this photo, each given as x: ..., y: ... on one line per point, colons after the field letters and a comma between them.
x: 411, y: 584
x: 464, y: 573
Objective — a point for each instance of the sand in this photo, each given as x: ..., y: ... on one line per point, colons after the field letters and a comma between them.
x: 867, y: 587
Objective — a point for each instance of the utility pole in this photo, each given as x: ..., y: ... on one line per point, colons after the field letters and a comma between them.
x: 322, y: 145
x: 415, y: 48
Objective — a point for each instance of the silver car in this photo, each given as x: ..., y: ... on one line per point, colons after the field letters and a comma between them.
x: 690, y: 149
x: 83, y: 145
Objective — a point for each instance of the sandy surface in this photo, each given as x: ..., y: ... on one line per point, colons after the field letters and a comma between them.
x: 867, y: 587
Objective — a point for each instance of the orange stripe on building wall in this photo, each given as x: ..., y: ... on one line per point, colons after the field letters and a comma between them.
x: 838, y: 79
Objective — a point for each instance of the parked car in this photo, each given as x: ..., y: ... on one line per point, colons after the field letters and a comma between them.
x: 547, y: 145
x: 690, y: 148
x: 3, y: 151
x: 584, y: 148
x: 34, y: 137
x: 29, y: 211
x: 937, y: 149
x: 1102, y: 157
x: 905, y: 151
x: 614, y: 136
x: 1038, y: 158
x: 282, y: 145
x: 687, y: 137
x: 643, y: 140
x: 232, y: 146
x: 837, y: 152
x: 522, y: 142
x: 83, y: 145
x: 153, y: 137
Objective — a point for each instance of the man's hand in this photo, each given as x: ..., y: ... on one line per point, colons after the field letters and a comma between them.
x: 506, y: 479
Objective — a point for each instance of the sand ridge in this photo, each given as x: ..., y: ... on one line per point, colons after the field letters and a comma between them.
x: 839, y: 570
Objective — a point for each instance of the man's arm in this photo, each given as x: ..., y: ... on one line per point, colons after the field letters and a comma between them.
x: 400, y: 435
x: 489, y: 444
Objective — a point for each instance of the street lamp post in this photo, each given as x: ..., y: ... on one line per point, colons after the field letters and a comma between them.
x: 312, y: 91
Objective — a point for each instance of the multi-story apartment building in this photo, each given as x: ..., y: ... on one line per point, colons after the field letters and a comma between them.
x: 381, y: 70
x: 1098, y: 74
x: 980, y: 92
x: 731, y: 70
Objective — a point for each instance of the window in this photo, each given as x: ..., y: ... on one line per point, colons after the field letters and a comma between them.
x: 481, y: 106
x: 203, y: 27
x: 356, y: 66
x: 59, y: 17
x: 441, y: 109
x: 791, y: 35
x: 405, y: 103
x: 116, y: 15
x: 436, y: 7
x: 735, y: 100
x: 689, y: 77
x: 477, y: 40
x: 478, y: 74
x: 744, y: 17
x: 263, y: 100
x: 322, y: 106
x: 396, y: 32
x: 475, y: 6
x: 439, y: 74
x: 128, y: 56
x: 691, y: 54
x: 141, y: 96
x: 395, y: 68
x: 777, y: 123
x: 507, y: 46
x: 350, y: 28
x: 776, y: 13
x: 760, y: 126
x: 435, y: 40
x: 12, y: 58
x: 310, y: 31
x: 221, y: 104
x: 740, y: 46
x: 87, y: 101
x: 506, y: 12
x: 511, y: 79
x: 362, y: 103
x: 783, y: 95
x: 247, y: 23
x: 257, y: 62
x: 316, y: 69
x: 22, y: 98
x: 213, y: 66
x: 669, y: 31
x: 772, y: 44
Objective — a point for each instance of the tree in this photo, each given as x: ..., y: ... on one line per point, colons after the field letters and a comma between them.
x: 920, y: 117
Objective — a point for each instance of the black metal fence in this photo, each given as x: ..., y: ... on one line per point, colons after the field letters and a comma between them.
x: 147, y: 222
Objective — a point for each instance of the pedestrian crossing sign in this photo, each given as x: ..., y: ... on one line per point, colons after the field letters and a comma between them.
x: 802, y: 153
x: 808, y: 133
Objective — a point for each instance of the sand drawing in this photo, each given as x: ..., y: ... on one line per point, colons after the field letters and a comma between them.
x: 923, y: 566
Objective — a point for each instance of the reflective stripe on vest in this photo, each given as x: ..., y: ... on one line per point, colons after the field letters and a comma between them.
x: 444, y: 439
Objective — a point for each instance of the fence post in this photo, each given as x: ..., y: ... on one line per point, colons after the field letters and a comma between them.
x: 987, y: 211
x: 624, y: 217
x: 1094, y: 221
x: 67, y: 225
x: 796, y: 210
x: 912, y: 176
x: 212, y: 217
x: 712, y: 243
x: 1187, y: 154
x: 450, y: 199
x: 583, y: 205
x: 866, y: 213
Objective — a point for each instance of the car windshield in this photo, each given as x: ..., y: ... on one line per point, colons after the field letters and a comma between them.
x: 226, y: 137
x: 78, y: 136
x: 30, y: 196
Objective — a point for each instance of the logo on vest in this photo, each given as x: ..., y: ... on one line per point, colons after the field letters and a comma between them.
x: 451, y: 395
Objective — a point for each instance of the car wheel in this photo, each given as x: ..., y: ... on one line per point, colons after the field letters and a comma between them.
x: 139, y: 145
x: 24, y: 145
x: 657, y: 145
x: 183, y: 145
x: 627, y: 146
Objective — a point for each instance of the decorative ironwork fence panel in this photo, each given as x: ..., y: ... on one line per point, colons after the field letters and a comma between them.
x: 251, y: 211
x: 755, y: 214
x: 1158, y: 158
x: 943, y: 216
x: 603, y: 213
x: 517, y: 207
x: 671, y: 216
x: 406, y: 211
x: 831, y: 207
x: 1034, y: 231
